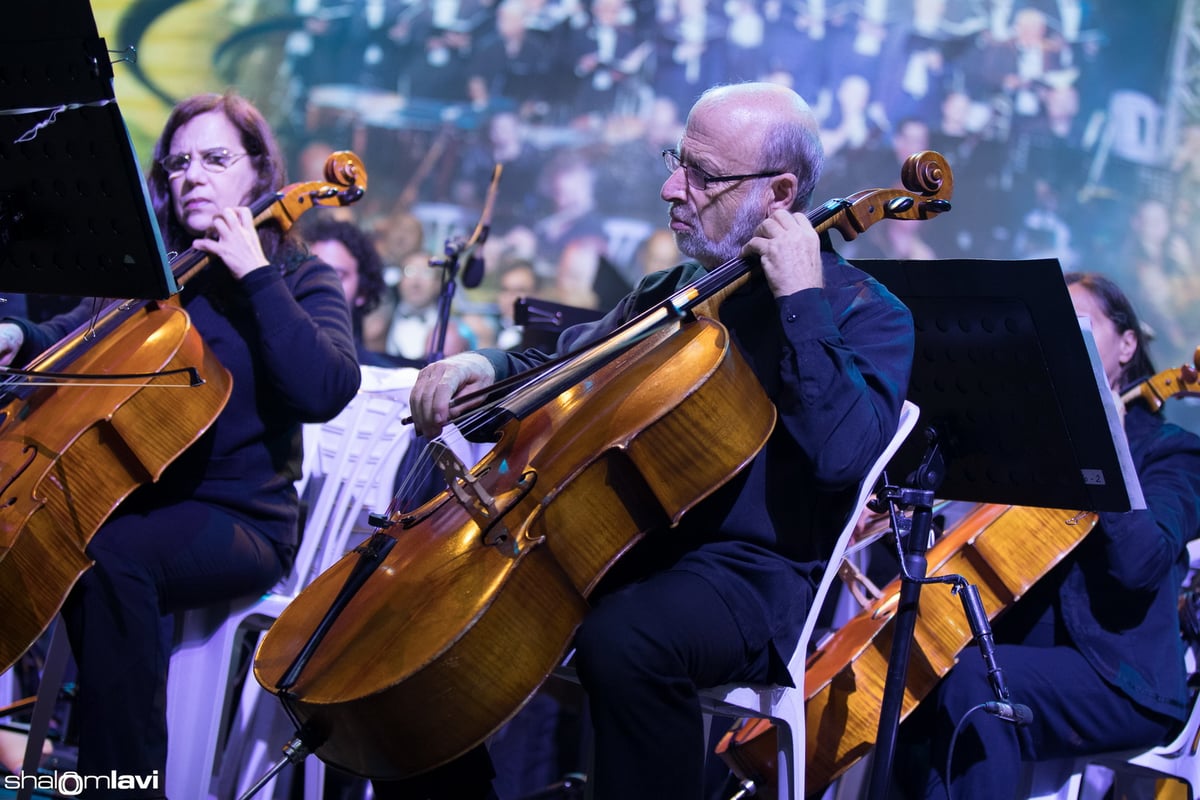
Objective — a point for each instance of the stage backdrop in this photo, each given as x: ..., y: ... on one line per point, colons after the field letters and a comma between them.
x: 1070, y: 153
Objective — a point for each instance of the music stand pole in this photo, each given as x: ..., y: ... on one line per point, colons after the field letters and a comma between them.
x: 913, y: 569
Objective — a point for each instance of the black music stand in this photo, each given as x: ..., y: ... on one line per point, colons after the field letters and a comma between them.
x: 75, y: 216
x: 544, y: 320
x: 1015, y: 411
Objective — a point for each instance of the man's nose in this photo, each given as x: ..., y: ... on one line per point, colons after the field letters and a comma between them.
x: 674, y: 187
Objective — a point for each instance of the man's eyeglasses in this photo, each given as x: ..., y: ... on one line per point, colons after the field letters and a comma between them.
x: 218, y: 159
x: 699, y: 179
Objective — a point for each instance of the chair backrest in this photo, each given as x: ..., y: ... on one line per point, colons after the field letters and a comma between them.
x: 908, y: 420
x: 350, y: 465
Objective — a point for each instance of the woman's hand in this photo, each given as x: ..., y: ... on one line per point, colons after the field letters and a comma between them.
x: 233, y: 238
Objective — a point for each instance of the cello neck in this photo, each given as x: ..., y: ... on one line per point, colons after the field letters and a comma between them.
x: 191, y: 262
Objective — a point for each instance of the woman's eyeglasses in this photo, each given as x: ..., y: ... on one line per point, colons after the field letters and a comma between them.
x: 218, y: 159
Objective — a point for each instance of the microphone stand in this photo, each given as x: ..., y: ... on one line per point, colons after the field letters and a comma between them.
x: 927, y: 477
x: 454, y: 248
x: 458, y: 255
x: 465, y: 256
x: 913, y: 568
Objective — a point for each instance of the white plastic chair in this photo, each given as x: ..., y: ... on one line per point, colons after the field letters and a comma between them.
x: 356, y: 455
x: 8, y: 686
x: 785, y: 704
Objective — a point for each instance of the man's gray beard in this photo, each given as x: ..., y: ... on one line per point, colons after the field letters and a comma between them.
x: 694, y: 244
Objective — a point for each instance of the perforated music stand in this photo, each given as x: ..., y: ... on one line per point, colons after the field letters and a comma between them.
x: 75, y: 216
x: 1012, y: 400
x: 544, y: 320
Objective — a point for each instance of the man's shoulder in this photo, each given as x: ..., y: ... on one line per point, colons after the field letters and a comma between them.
x: 657, y: 286
x: 675, y: 277
x: 840, y: 273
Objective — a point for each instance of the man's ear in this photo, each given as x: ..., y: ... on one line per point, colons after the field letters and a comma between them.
x: 783, y: 190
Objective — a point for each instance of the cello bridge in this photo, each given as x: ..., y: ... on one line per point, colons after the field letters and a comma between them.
x: 486, y: 510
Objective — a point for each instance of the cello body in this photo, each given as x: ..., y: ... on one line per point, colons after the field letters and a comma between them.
x: 458, y: 633
x: 67, y: 462
x: 1003, y: 550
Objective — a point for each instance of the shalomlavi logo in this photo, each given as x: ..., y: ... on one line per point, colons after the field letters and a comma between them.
x: 72, y: 784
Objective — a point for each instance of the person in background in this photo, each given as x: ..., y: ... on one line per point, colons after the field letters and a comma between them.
x: 1094, y: 648
x: 723, y: 597
x: 1157, y: 255
x: 351, y: 252
x: 575, y: 273
x: 517, y: 279
x: 222, y: 520
x: 415, y: 317
x: 501, y: 141
x: 568, y: 183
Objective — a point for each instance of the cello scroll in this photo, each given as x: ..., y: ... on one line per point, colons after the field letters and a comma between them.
x: 345, y: 182
x: 928, y: 184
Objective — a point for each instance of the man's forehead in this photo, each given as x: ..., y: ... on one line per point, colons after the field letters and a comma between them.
x: 726, y: 140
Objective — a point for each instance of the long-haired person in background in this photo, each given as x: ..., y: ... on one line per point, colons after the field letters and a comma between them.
x: 1094, y: 648
x: 222, y: 521
x: 352, y: 253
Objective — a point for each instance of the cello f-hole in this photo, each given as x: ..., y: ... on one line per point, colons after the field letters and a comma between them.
x: 30, y: 456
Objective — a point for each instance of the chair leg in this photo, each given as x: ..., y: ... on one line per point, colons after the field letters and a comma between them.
x: 55, y: 667
x: 8, y: 686
x: 314, y: 778
x: 787, y: 761
x: 255, y: 746
x: 197, y: 695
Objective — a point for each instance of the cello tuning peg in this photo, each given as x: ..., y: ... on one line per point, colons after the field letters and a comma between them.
x: 898, y: 205
x: 937, y: 206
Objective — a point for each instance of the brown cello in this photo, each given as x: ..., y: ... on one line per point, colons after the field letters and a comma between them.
x: 423, y: 641
x: 1003, y: 550
x: 105, y: 410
